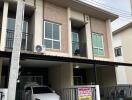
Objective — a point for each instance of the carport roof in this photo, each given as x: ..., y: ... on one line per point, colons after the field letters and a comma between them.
x: 34, y: 56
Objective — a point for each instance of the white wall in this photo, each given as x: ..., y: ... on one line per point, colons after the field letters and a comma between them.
x: 120, y: 70
x: 117, y: 43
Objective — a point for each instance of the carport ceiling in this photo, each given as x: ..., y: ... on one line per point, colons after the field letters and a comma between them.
x: 39, y: 63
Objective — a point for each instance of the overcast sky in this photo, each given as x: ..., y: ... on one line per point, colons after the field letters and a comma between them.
x: 121, y: 7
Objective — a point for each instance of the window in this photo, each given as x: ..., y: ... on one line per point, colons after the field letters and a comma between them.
x: 51, y: 35
x: 41, y: 90
x: 75, y: 42
x: 118, y: 51
x: 98, y: 46
x: 10, y: 34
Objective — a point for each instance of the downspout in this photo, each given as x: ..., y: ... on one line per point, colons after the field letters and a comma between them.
x: 94, y: 65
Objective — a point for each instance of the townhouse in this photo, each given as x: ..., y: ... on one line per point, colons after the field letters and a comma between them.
x: 122, y: 45
x: 65, y: 43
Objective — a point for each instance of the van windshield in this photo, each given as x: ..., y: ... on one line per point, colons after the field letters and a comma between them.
x: 40, y: 90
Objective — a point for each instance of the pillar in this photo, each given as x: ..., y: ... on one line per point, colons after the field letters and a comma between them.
x: 109, y: 38
x: 89, y: 40
x: 69, y: 32
x: 38, y: 33
x: 4, y: 26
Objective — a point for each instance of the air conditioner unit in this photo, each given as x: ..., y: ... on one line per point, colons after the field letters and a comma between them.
x: 86, y: 18
x: 39, y: 48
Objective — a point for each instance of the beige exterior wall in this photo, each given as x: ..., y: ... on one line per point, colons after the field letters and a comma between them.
x: 77, y: 15
x: 99, y: 26
x: 126, y: 38
x: 61, y: 76
x: 58, y: 15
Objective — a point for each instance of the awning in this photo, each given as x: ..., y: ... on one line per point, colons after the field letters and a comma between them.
x: 35, y: 56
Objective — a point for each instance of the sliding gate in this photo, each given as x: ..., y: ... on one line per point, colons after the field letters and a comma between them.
x: 80, y: 93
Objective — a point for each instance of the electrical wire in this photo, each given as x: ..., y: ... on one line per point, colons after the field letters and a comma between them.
x: 120, y: 13
x: 107, y: 6
x: 111, y: 6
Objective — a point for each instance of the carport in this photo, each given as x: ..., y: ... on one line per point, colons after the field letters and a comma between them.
x: 57, y: 72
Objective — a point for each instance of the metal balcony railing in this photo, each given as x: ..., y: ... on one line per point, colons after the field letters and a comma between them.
x: 10, y: 39
x: 78, y: 48
x: 75, y: 48
x: 121, y: 92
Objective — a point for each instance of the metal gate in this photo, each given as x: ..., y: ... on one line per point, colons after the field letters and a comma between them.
x: 72, y: 93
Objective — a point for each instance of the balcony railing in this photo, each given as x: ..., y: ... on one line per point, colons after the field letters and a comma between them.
x: 121, y: 92
x: 75, y: 48
x: 10, y: 39
x: 79, y: 49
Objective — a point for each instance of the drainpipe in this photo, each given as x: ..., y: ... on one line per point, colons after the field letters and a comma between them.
x: 15, y: 59
x: 94, y: 65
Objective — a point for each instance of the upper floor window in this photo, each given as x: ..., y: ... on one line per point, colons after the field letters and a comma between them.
x: 98, y: 45
x: 10, y: 34
x: 52, y: 34
x: 118, y: 51
x: 11, y: 25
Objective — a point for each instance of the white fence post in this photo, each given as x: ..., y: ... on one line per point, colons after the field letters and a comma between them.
x: 97, y: 92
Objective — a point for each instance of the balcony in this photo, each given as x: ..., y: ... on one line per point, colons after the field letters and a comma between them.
x: 78, y: 39
x: 26, y: 38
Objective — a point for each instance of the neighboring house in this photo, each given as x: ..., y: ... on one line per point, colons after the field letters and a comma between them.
x: 122, y: 39
x: 76, y: 41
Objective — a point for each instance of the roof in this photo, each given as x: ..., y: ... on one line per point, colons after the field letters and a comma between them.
x: 85, y: 8
x: 126, y: 26
x: 35, y: 56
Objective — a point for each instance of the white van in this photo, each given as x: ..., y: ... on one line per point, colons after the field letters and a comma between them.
x: 37, y: 92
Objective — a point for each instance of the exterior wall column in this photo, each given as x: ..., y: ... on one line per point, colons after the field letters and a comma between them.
x: 38, y: 32
x: 67, y: 76
x: 4, y: 26
x: 89, y: 47
x: 69, y: 32
x: 121, y: 75
x: 109, y: 38
x: 1, y: 63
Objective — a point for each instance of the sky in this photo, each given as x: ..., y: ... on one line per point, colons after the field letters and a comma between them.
x: 120, y: 7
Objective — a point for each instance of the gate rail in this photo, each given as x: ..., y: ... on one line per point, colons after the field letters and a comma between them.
x: 72, y: 93
x: 120, y: 92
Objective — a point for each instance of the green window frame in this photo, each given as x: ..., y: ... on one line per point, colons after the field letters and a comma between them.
x: 98, y: 44
x: 75, y: 41
x: 52, y: 35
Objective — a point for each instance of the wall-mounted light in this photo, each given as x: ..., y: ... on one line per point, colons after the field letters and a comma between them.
x: 77, y: 66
